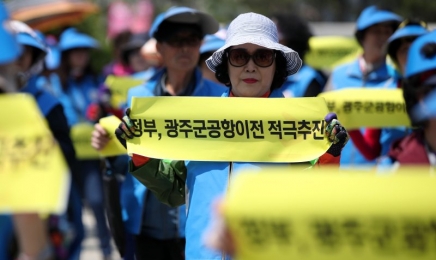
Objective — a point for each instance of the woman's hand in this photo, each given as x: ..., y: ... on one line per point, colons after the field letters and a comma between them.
x: 99, y: 138
x: 336, y: 134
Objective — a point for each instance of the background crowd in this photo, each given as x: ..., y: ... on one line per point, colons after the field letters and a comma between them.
x: 170, y: 57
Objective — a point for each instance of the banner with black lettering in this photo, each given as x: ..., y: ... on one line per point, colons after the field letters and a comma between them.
x: 368, y: 107
x: 229, y: 129
x: 33, y: 174
x: 324, y: 214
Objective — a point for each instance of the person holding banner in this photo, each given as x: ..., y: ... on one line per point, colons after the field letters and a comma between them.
x: 30, y: 65
x: 418, y: 148
x: 373, y: 28
x: 253, y: 64
x: 369, y: 143
x: 178, y: 33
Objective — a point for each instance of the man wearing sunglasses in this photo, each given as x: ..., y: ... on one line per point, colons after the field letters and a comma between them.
x: 178, y: 33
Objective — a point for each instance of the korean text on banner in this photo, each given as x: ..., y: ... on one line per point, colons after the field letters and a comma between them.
x: 113, y: 147
x: 33, y: 174
x: 326, y: 216
x: 229, y: 129
x: 363, y: 107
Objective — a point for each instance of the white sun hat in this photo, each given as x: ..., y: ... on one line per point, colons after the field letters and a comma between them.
x: 259, y: 30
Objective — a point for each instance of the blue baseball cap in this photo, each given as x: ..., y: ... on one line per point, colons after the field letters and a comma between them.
x: 211, y: 43
x: 412, y: 30
x: 373, y: 15
x: 26, y: 36
x: 417, y: 60
x: 10, y: 48
x: 186, y: 15
x: 73, y: 39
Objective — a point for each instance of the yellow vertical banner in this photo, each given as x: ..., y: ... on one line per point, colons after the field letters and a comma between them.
x: 114, y: 147
x: 368, y: 107
x: 33, y: 173
x: 81, y: 134
x: 323, y: 215
x: 119, y: 86
x: 229, y: 129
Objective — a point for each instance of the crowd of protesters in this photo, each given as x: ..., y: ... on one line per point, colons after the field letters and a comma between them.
x: 145, y: 208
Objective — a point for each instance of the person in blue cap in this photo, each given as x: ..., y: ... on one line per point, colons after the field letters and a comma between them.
x: 29, y: 64
x: 374, y: 26
x: 295, y: 33
x: 159, y: 229
x: 369, y: 143
x: 11, y: 50
x: 252, y: 64
x: 211, y: 43
x: 80, y: 83
x: 418, y: 148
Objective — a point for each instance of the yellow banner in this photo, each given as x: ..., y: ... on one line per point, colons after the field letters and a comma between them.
x: 322, y: 216
x: 33, y: 174
x: 114, y: 147
x: 229, y: 129
x: 326, y: 52
x: 81, y: 135
x: 365, y: 107
x: 119, y: 87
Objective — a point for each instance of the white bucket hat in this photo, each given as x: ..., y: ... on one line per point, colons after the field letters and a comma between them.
x: 259, y: 30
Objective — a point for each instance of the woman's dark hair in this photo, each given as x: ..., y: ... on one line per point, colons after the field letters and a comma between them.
x: 295, y: 32
x: 414, y: 88
x: 280, y: 74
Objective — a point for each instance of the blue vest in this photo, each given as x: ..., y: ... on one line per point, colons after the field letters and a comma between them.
x: 350, y: 75
x: 46, y: 101
x: 132, y: 191
x: 207, y: 181
x: 52, y: 84
x: 297, y: 84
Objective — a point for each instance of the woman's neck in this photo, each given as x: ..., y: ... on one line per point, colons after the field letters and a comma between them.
x: 372, y: 58
x: 176, y: 82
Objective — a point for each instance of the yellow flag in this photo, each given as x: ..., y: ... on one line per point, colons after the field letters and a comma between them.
x: 322, y: 215
x: 114, y: 147
x: 229, y: 129
x: 326, y: 52
x: 119, y: 87
x: 368, y: 107
x: 33, y: 174
x: 81, y: 134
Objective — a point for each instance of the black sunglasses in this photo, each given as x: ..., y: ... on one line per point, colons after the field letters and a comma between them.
x: 261, y: 57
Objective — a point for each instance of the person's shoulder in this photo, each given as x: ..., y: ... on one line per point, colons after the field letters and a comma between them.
x: 46, y: 101
x: 210, y: 88
x: 343, y: 67
x: 141, y: 90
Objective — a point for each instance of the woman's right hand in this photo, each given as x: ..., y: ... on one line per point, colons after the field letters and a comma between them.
x: 99, y: 138
x: 126, y: 129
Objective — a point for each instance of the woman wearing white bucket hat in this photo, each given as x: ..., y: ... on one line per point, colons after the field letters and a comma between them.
x: 253, y: 64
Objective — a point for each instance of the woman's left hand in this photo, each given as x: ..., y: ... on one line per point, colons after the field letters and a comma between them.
x: 336, y: 134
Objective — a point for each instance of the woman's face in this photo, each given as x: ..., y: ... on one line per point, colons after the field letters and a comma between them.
x: 376, y: 37
x: 251, y: 80
x: 137, y: 62
x: 24, y: 62
x: 402, y: 55
x: 79, y: 58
